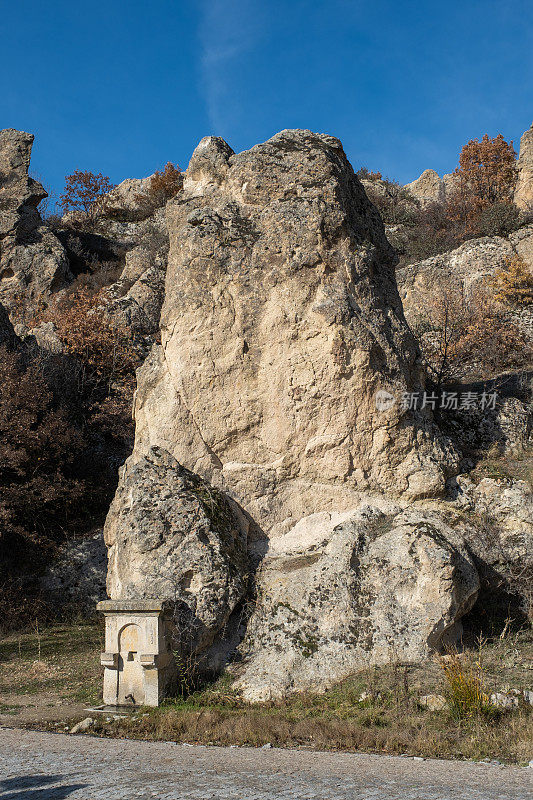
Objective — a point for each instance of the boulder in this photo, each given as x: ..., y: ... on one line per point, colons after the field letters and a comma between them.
x: 33, y: 263
x: 281, y: 323
x: 172, y: 536
x: 340, y: 592
x: 504, y: 537
x: 45, y: 337
x: 433, y: 702
x: 523, y: 194
x: 467, y: 266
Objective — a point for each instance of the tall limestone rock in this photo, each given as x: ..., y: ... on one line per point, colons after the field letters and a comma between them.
x: 281, y: 322
x: 523, y: 195
x: 284, y: 356
x: 33, y: 262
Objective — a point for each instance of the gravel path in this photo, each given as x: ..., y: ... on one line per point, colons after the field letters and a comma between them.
x: 47, y: 766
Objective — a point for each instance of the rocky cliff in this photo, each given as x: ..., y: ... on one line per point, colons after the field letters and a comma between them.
x: 281, y: 322
x: 33, y: 262
x: 430, y: 188
x: 523, y: 195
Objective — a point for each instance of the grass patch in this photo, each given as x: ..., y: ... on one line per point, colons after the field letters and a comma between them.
x: 376, y: 710
x: 63, y: 659
x: 518, y: 467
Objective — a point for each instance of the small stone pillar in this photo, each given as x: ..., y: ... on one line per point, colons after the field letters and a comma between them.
x: 139, y: 667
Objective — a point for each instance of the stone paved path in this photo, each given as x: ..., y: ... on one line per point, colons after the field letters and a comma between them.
x: 43, y: 766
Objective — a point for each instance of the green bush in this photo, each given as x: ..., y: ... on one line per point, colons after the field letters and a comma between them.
x: 499, y: 219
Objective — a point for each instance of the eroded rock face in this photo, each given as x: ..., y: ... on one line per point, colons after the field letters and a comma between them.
x: 138, y: 294
x: 281, y: 321
x: 129, y: 201
x: 170, y: 535
x: 467, y: 265
x: 33, y: 262
x: 430, y: 188
x: 339, y: 592
x: 523, y: 195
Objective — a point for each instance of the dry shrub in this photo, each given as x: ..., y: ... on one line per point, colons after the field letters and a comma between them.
x: 464, y: 687
x: 513, y: 285
x: 393, y: 202
x: 88, y: 333
x: 164, y: 184
x: 84, y: 195
x: 468, y: 336
x: 41, y: 490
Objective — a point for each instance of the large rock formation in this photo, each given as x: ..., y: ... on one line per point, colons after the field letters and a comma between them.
x: 33, y: 262
x: 280, y: 324
x: 523, y: 194
x: 284, y: 353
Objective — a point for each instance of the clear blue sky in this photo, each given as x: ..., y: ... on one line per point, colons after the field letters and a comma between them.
x: 123, y: 87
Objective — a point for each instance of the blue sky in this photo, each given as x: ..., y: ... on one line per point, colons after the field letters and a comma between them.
x: 123, y: 87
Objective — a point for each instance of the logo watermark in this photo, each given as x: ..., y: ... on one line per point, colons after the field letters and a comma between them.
x: 448, y: 401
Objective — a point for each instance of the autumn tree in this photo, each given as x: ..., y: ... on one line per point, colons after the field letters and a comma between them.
x: 467, y: 335
x: 83, y: 195
x: 486, y: 176
x: 513, y: 284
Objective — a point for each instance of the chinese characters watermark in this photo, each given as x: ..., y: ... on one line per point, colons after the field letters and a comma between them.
x: 448, y: 401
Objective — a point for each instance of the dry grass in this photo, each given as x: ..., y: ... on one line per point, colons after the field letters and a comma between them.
x: 64, y: 659
x: 518, y: 467
x: 387, y: 720
x: 464, y: 687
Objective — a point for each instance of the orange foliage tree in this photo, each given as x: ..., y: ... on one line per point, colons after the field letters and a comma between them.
x: 486, y: 175
x: 513, y: 285
x: 84, y: 193
x: 488, y: 168
x: 105, y: 348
